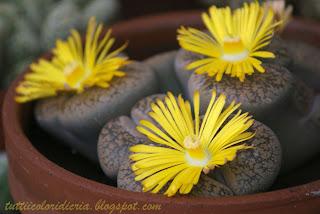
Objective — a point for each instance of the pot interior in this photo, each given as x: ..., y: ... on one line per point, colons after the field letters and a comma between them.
x: 57, y: 152
x: 154, y: 40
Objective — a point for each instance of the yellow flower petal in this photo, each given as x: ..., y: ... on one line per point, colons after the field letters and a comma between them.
x: 236, y: 37
x: 201, y: 148
x: 264, y: 54
x: 74, y: 67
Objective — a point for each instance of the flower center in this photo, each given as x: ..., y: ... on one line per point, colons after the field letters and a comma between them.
x: 74, y: 74
x: 233, y: 49
x: 195, y: 154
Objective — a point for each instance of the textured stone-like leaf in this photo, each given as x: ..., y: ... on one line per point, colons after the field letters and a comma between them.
x: 115, y: 138
x: 254, y: 170
x: 163, y: 65
x: 208, y: 186
x: 126, y: 176
x: 77, y: 119
x: 141, y: 109
x: 183, y: 58
x: 265, y: 95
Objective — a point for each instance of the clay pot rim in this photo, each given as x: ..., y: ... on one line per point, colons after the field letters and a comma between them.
x: 13, y: 131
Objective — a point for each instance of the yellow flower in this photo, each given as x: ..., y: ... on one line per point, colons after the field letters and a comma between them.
x: 233, y: 43
x: 282, y: 13
x: 186, y: 147
x: 74, y: 67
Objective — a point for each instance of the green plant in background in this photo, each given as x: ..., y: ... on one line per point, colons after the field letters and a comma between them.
x: 30, y: 27
x: 4, y: 193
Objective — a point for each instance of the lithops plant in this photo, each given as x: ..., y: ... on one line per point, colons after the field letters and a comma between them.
x: 31, y: 27
x: 252, y: 47
x: 226, y: 60
x: 184, y: 58
x: 84, y: 86
x: 233, y: 53
x: 177, y: 150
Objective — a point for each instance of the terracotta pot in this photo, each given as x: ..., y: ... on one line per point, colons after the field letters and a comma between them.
x: 305, y: 30
x: 38, y: 166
